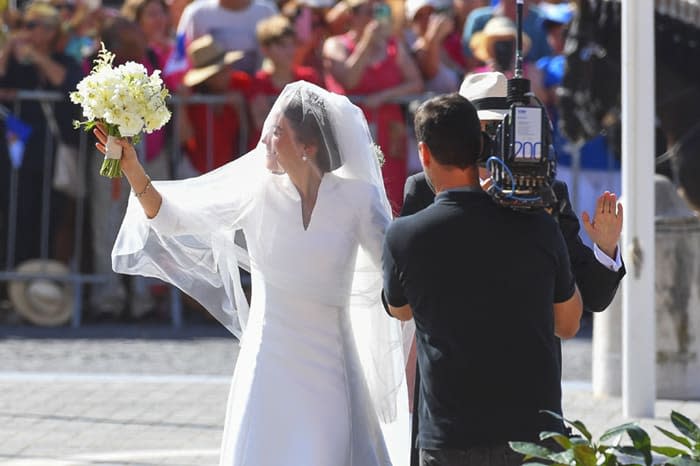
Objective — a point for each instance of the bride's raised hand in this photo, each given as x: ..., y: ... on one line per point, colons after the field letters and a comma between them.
x: 129, y: 157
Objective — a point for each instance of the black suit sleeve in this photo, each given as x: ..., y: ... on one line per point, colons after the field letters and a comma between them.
x: 597, y: 283
x: 417, y: 194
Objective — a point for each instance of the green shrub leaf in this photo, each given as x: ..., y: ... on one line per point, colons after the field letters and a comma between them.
x: 618, y: 430
x: 564, y: 457
x: 682, y: 440
x: 560, y: 438
x: 585, y: 455
x: 626, y: 455
x: 531, y: 450
x: 580, y: 426
x: 682, y: 461
x: 685, y: 426
x: 668, y: 451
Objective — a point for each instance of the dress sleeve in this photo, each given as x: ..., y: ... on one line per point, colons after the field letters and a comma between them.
x: 191, y: 243
x: 374, y: 219
x: 198, y: 206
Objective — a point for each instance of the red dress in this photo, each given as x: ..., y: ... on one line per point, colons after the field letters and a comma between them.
x: 224, y: 133
x: 262, y: 84
x: 387, y: 122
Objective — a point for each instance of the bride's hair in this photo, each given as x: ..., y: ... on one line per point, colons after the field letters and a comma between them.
x: 309, y: 119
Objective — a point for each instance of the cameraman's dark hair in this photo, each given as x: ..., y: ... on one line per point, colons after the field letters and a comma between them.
x: 449, y: 126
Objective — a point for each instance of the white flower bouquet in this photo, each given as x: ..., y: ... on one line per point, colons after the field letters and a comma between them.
x: 125, y: 99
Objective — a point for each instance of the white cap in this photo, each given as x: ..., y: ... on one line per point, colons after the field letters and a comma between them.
x: 412, y: 6
x: 487, y: 92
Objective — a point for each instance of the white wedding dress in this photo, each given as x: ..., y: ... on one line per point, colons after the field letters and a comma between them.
x: 298, y: 395
x: 320, y: 363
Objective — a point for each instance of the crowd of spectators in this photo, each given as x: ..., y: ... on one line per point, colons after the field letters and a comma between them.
x: 241, y: 53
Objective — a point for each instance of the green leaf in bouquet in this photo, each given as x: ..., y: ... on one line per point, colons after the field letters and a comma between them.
x: 685, y: 426
x: 86, y: 125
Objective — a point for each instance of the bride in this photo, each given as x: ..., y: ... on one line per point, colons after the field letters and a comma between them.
x: 320, y: 363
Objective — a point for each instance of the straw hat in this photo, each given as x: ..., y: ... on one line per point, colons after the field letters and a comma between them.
x: 42, y: 301
x: 207, y: 58
x: 497, y: 28
x: 45, y: 12
x: 487, y: 92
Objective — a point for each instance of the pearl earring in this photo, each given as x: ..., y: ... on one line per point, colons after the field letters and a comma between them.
x: 304, y: 157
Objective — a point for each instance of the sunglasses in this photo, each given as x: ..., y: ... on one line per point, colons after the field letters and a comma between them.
x: 31, y: 24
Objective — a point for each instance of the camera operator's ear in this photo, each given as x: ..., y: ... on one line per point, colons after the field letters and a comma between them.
x: 424, y: 154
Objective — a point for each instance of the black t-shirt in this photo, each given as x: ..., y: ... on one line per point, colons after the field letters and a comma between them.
x: 481, y: 281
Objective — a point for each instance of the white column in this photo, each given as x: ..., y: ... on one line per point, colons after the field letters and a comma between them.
x: 638, y: 316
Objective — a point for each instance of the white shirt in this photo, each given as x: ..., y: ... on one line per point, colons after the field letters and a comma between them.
x: 231, y: 29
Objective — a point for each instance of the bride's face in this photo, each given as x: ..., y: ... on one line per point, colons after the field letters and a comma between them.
x: 283, y: 150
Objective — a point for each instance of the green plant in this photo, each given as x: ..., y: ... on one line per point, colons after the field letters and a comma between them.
x: 583, y: 450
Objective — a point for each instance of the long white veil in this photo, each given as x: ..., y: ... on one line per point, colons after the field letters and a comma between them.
x: 200, y: 255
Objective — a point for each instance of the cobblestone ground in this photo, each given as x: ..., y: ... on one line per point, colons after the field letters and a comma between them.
x: 148, y: 395
x: 201, y: 350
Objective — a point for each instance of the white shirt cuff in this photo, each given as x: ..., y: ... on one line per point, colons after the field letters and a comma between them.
x: 606, y: 261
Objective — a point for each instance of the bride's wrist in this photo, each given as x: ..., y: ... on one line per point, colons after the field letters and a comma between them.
x: 129, y: 165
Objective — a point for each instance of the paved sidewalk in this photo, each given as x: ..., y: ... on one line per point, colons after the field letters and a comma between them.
x: 159, y: 402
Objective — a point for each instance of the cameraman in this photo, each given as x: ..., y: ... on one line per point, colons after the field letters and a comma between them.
x: 598, y: 271
x: 488, y: 288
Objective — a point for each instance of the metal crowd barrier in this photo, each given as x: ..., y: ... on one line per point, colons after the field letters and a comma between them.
x: 76, y: 278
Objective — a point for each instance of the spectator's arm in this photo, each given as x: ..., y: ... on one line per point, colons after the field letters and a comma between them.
x: 5, y: 51
x: 428, y: 50
x: 348, y: 69
x: 55, y: 72
x: 337, y: 18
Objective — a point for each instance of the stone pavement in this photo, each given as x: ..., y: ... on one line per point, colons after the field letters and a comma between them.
x: 153, y: 396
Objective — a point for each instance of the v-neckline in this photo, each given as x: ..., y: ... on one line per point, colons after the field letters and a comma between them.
x: 311, y: 214
x: 298, y: 198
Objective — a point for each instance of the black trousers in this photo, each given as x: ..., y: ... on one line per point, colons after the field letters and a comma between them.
x: 499, y: 455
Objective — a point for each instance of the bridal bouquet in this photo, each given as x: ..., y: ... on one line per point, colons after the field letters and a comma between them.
x: 125, y: 99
